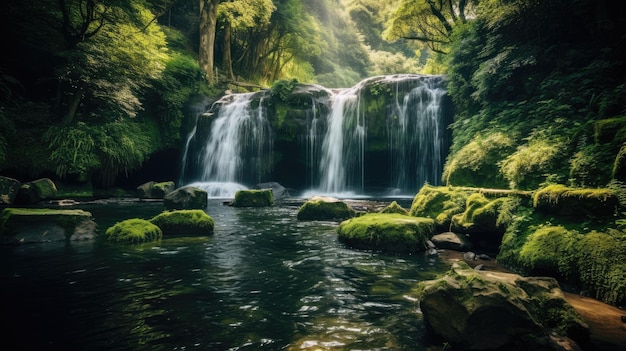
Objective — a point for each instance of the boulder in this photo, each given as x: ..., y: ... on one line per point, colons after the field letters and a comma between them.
x: 184, y: 222
x: 325, y: 209
x: 22, y: 225
x: 451, y: 241
x: 186, y: 198
x: 576, y: 203
x: 485, y: 310
x: 387, y: 232
x: 253, y: 198
x: 9, y: 188
x: 278, y: 191
x: 154, y: 190
x: 36, y: 191
x: 394, y: 207
x: 133, y: 231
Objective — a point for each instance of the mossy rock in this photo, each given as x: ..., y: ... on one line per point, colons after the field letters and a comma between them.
x: 32, y: 225
x: 186, y: 198
x: 325, y: 209
x: 184, y: 222
x: 253, y: 198
x: 440, y: 204
x: 480, y: 216
x: 394, y: 207
x: 610, y: 130
x: 133, y: 231
x: 36, y: 191
x: 576, y: 203
x: 550, y: 251
x: 480, y: 310
x: 9, y: 188
x: 154, y: 190
x: 387, y: 232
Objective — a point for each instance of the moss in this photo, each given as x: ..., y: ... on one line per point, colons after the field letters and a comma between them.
x: 576, y: 203
x: 476, y: 163
x: 550, y: 251
x: 325, y: 209
x: 394, y: 207
x: 184, y: 222
x: 253, y: 198
x: 133, y: 231
x: 387, y: 232
x: 527, y: 167
x: 619, y: 165
x: 600, y: 261
x: 439, y: 203
x: 609, y: 130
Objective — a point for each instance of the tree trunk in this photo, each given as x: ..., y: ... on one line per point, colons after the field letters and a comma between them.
x: 227, y: 57
x: 73, y: 105
x: 206, y: 49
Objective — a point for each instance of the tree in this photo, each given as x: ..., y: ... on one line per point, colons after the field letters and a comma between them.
x: 207, y: 27
x: 241, y: 15
x: 430, y: 21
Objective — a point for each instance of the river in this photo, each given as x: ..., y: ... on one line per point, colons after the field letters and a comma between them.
x: 263, y: 281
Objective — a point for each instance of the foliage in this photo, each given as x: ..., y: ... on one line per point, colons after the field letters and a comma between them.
x: 282, y: 88
x: 528, y: 167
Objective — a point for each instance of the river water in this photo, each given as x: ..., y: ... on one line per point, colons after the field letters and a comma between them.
x: 263, y: 281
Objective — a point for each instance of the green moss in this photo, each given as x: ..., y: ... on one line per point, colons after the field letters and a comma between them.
x: 576, y: 203
x: 325, y: 209
x: 527, y: 167
x: 439, y: 203
x: 619, y: 165
x: 253, y: 198
x: 550, y: 251
x: 184, y: 222
x: 609, y: 130
x: 387, y: 232
x: 133, y: 231
x: 394, y: 207
x: 476, y: 163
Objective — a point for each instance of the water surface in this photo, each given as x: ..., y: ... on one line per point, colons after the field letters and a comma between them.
x: 263, y: 281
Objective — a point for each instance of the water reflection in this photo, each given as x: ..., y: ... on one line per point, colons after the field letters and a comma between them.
x: 263, y: 281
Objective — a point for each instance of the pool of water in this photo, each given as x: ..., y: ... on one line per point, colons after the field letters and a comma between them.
x: 263, y: 281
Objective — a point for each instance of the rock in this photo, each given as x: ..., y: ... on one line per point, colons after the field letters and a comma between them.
x: 9, y: 188
x: 485, y: 310
x: 387, y: 232
x: 133, y: 231
x: 184, y: 222
x: 253, y: 198
x: 278, y: 191
x: 325, y: 209
x: 394, y: 207
x: 479, y: 267
x: 469, y: 256
x: 36, y: 191
x: 186, y: 198
x: 21, y: 225
x: 578, y: 204
x: 154, y: 190
x: 451, y: 241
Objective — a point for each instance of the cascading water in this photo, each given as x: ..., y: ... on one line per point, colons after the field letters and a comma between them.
x: 237, y: 149
x: 414, y: 127
x: 385, y: 136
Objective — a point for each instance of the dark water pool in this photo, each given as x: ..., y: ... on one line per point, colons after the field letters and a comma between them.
x: 263, y: 281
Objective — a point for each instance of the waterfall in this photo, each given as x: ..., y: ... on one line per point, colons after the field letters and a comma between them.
x: 237, y: 149
x: 385, y: 136
x: 415, y: 141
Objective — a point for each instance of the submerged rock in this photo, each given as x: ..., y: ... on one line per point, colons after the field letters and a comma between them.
x: 22, y: 225
x: 387, y: 232
x: 484, y: 310
x: 325, y: 209
x: 154, y: 190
